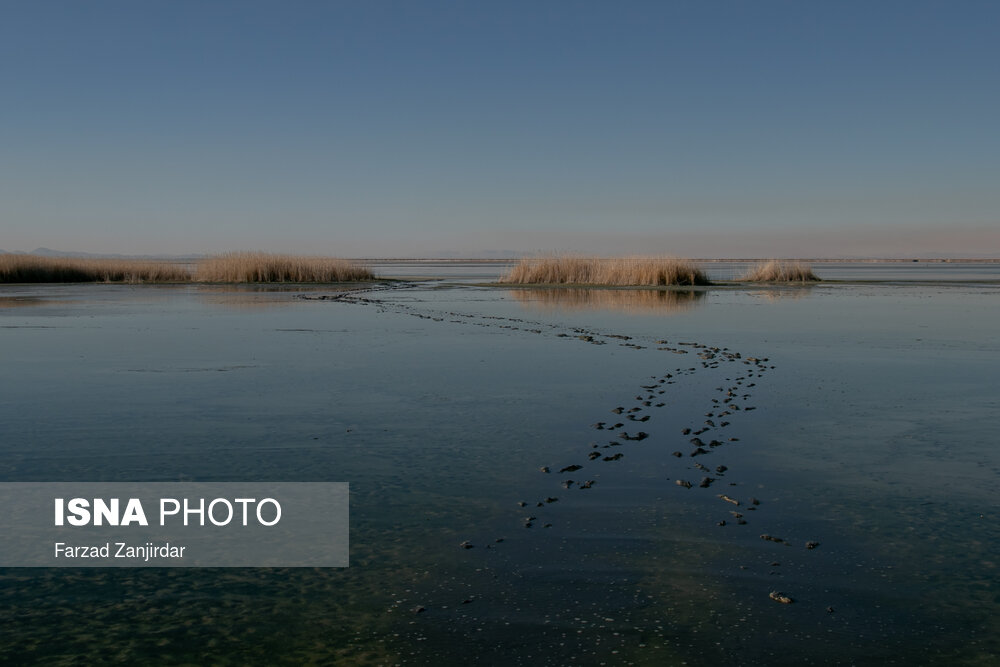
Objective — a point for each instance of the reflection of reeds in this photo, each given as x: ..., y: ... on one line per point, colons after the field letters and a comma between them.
x: 247, y: 300
x: 632, y: 300
x: 245, y: 296
x: 617, y: 271
x: 22, y: 301
x: 775, y: 271
x: 261, y: 267
x: 35, y: 269
x: 796, y: 292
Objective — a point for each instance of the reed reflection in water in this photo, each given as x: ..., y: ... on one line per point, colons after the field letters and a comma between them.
x: 782, y: 293
x: 260, y: 297
x: 622, y: 300
x: 22, y: 301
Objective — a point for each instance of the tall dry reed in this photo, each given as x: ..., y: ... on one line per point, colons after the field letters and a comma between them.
x: 37, y: 269
x: 777, y: 271
x: 616, y: 271
x: 262, y: 267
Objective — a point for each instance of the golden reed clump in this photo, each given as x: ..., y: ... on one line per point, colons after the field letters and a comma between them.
x: 36, y: 269
x: 775, y: 271
x: 262, y: 267
x: 615, y: 271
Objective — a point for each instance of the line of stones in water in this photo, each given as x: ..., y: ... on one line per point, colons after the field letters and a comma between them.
x: 707, y: 437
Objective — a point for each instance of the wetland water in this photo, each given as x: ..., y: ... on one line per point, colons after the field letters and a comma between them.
x: 861, y: 417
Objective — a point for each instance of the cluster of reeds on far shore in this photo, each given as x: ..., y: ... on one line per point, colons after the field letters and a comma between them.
x: 776, y: 271
x: 239, y: 267
x: 617, y: 271
x: 261, y: 267
x: 36, y: 269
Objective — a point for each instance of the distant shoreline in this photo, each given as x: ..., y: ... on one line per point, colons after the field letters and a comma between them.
x: 473, y: 260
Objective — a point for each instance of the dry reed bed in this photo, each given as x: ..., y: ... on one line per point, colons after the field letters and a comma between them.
x: 775, y: 271
x: 237, y: 267
x: 260, y: 267
x: 617, y: 271
x: 35, y: 269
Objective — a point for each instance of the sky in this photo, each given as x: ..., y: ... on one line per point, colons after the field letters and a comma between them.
x: 702, y: 128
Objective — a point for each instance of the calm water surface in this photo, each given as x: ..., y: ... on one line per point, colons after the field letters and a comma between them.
x: 866, y: 424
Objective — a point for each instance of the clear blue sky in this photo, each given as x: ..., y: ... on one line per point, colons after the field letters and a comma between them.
x: 415, y: 128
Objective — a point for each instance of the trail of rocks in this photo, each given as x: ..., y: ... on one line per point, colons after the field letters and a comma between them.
x: 707, y: 435
x: 690, y: 474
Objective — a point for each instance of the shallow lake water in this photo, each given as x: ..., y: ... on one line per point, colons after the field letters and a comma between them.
x: 859, y: 417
